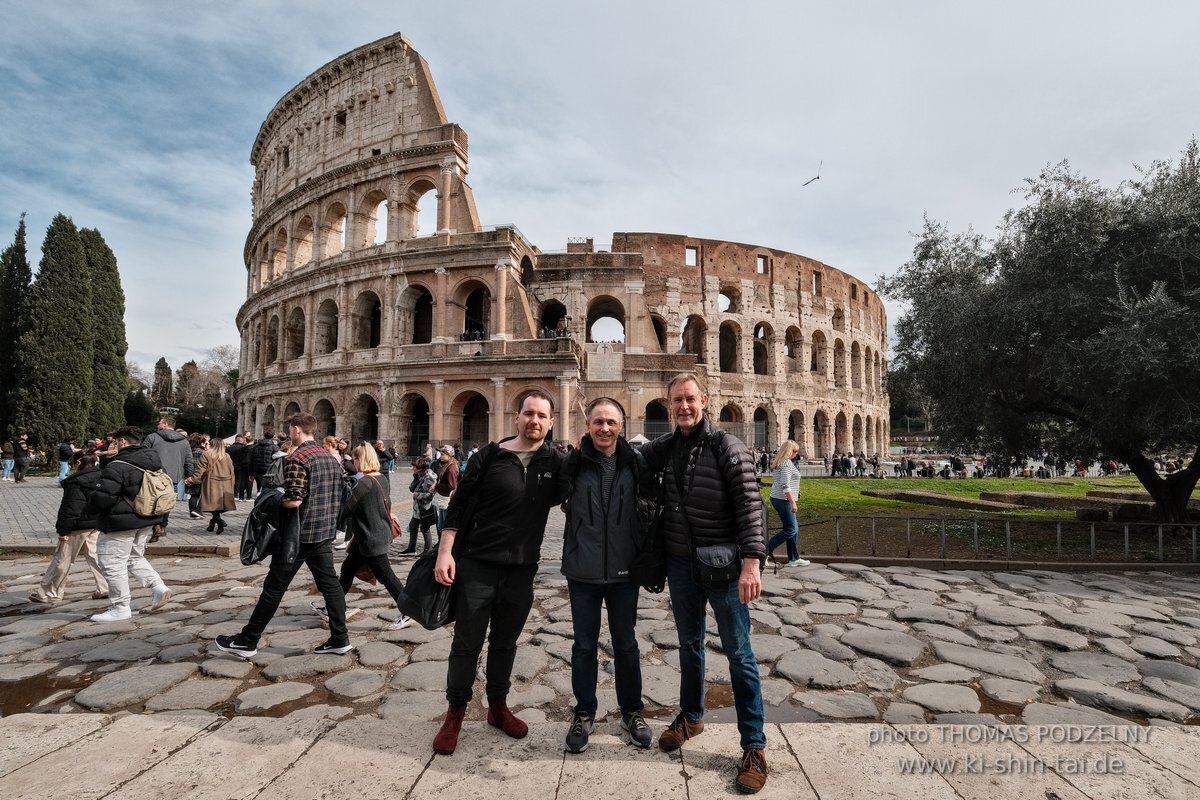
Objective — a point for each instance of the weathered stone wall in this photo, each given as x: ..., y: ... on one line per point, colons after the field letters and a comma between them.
x: 382, y: 328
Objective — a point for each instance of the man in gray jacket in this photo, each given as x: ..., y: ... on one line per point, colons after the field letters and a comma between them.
x: 176, y: 455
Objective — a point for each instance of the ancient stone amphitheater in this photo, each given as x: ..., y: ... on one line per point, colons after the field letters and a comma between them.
x: 378, y: 301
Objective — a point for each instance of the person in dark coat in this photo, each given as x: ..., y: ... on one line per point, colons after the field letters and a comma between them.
x: 77, y: 533
x: 368, y: 525
x: 601, y: 539
x: 124, y: 534
x: 261, y: 454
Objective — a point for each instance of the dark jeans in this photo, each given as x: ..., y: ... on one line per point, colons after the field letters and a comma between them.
x: 414, y: 525
x: 241, y: 483
x: 733, y: 624
x: 487, y: 594
x: 621, y: 599
x: 787, y: 533
x: 193, y: 502
x: 19, y: 467
x: 319, y: 558
x: 381, y: 568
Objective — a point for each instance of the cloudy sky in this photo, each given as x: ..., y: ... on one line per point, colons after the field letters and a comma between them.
x: 701, y: 118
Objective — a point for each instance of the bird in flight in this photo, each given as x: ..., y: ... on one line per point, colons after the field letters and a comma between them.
x: 817, y: 178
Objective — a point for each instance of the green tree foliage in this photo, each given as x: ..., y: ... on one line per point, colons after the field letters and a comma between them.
x: 189, y: 389
x: 163, y: 391
x: 1077, y: 328
x: 139, y: 411
x: 15, y: 277
x: 109, y: 379
x: 54, y: 355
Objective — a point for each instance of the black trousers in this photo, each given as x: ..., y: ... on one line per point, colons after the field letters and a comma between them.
x: 319, y: 558
x: 241, y: 483
x: 381, y: 568
x: 19, y: 467
x: 488, y: 595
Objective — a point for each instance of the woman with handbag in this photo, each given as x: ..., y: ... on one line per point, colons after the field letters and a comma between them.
x: 447, y: 482
x: 424, y: 515
x: 214, y: 480
x: 367, y: 520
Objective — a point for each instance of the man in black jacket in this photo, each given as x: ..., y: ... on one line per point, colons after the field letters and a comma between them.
x: 711, y: 497
x: 262, y: 453
x: 238, y: 454
x: 123, y: 534
x: 500, y: 508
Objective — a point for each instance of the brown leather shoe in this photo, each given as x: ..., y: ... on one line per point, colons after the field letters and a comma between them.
x: 156, y: 533
x: 446, y: 739
x: 752, y: 775
x: 499, y: 716
x: 678, y: 732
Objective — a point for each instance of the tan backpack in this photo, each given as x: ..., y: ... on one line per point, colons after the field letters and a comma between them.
x: 156, y: 496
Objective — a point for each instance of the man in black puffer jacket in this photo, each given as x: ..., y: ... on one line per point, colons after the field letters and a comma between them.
x: 123, y: 534
x: 711, y: 497
x: 262, y: 453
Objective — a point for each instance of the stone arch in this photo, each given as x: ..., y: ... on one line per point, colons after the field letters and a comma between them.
x: 820, y: 354
x: 325, y: 328
x: 660, y: 331
x: 323, y: 411
x: 796, y: 431
x: 333, y: 229
x: 869, y: 435
x: 527, y: 273
x: 268, y: 419
x: 881, y: 443
x: 839, y: 364
x: 839, y: 319
x: 730, y: 349
x: 473, y: 411
x: 840, y: 432
x: 415, y: 315
x: 272, y: 343
x: 475, y: 299
x: 820, y: 433
x: 366, y: 321
x: 793, y: 345
x: 762, y: 426
x: 373, y: 211
x: 553, y: 314
x: 879, y: 367
x: 412, y: 424
x: 731, y: 413
x: 417, y: 216
x: 764, y: 335
x: 856, y: 438
x: 291, y: 408
x: 605, y: 312
x: 868, y: 367
x: 279, y: 254
x: 693, y: 338
x: 293, y: 337
x: 363, y: 422
x: 304, y: 241
x: 657, y: 420
x: 729, y: 299
x: 855, y: 366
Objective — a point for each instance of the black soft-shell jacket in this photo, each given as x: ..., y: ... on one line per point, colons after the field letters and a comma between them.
x: 507, y: 505
x: 600, y: 541
x: 115, y: 486
x: 720, y: 492
x: 73, y: 514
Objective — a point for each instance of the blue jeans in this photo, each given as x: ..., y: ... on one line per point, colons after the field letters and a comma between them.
x: 64, y: 469
x: 8, y: 465
x: 733, y: 624
x: 787, y: 533
x: 621, y: 599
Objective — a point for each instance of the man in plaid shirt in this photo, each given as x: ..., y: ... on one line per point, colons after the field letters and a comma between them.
x: 312, y: 486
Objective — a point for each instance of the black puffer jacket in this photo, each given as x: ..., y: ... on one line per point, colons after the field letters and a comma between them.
x: 73, y: 514
x: 115, y: 486
x: 600, y: 541
x: 261, y: 453
x: 721, y: 500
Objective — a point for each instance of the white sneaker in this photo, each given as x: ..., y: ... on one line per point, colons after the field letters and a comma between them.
x: 799, y: 562
x: 341, y: 545
x: 159, y: 596
x: 400, y: 623
x: 114, y: 614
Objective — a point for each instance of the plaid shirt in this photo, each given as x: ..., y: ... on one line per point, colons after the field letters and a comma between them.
x: 314, y: 477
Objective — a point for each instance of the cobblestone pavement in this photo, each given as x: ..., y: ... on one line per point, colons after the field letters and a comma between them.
x: 843, y: 642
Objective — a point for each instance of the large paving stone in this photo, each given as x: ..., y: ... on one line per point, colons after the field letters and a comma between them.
x: 809, y: 668
x: 946, y: 673
x: 851, y: 590
x: 794, y: 616
x: 1179, y: 692
x: 919, y: 582
x: 426, y: 676
x: 839, y: 705
x: 1094, y: 693
x: 379, y: 654
x: 1068, y: 714
x: 943, y: 697
x: 1170, y: 633
x: 1055, y: 637
x: 891, y: 646
x: 1096, y: 622
x: 226, y: 668
x: 830, y: 648
x: 306, y: 666
x: 1171, y: 671
x: 1153, y: 646
x: 1095, y: 666
x: 832, y: 608
x: 986, y: 661
x: 22, y: 643
x: 924, y: 612
x: 121, y: 650
x: 875, y: 674
x: 532, y: 660
x: 410, y: 707
x: 263, y: 698
x: 1129, y: 610
x: 1006, y: 690
x: 817, y: 575
x: 1118, y: 648
x: 356, y: 683
x: 194, y: 693
x: 899, y: 713
x: 996, y: 633
x: 997, y: 614
x: 19, y: 672
x: 944, y: 633
x: 769, y: 648
x: 132, y: 685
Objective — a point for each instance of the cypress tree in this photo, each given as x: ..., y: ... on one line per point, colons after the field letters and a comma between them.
x: 15, y: 277
x: 54, y: 356
x: 163, y: 389
x: 109, y: 378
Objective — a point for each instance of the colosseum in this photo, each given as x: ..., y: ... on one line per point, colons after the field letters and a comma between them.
x: 378, y: 301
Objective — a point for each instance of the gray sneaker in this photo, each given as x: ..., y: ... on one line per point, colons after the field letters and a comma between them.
x: 577, y: 736
x: 639, y: 731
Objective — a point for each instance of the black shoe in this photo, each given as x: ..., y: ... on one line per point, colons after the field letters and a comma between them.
x: 235, y: 645
x: 332, y: 647
x: 211, y: 527
x: 639, y: 731
x: 221, y: 526
x: 408, y: 551
x: 577, y: 736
